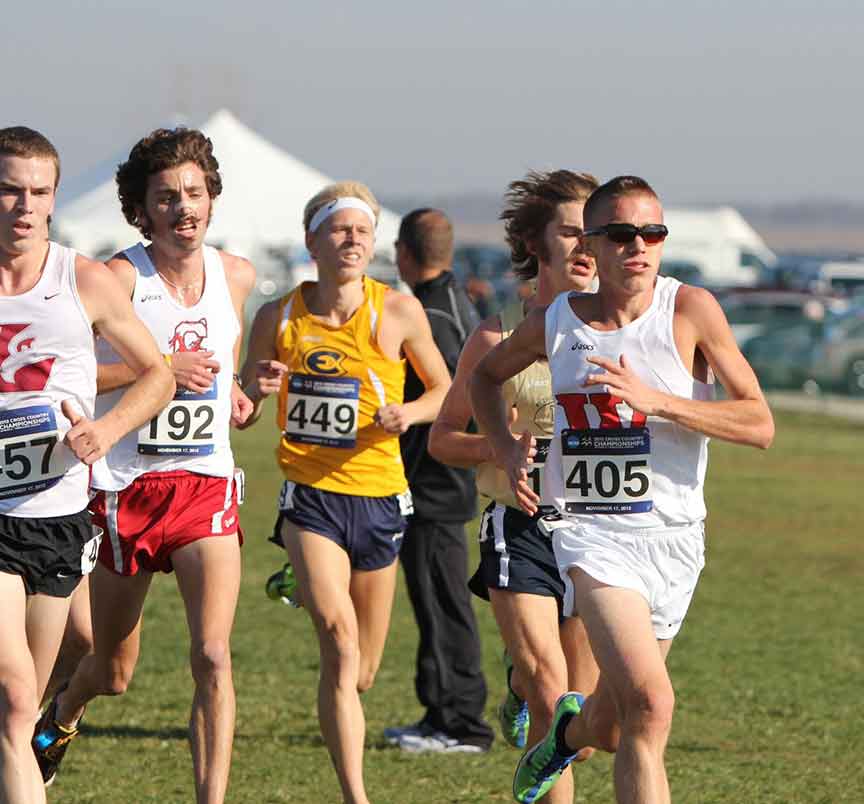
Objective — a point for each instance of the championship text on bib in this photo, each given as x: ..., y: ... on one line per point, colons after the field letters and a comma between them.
x: 322, y: 410
x: 28, y: 437
x: 607, y: 471
x: 184, y: 427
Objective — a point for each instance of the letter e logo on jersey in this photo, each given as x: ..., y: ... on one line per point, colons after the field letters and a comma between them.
x: 22, y: 366
x: 189, y: 336
x: 324, y: 361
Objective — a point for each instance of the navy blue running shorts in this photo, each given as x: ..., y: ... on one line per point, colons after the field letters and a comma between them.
x: 515, y: 555
x: 50, y: 554
x: 369, y: 529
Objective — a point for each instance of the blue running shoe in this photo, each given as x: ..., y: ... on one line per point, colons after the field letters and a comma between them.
x: 50, y: 741
x: 513, y: 712
x: 542, y: 765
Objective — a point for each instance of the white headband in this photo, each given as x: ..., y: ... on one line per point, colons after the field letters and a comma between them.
x: 345, y: 202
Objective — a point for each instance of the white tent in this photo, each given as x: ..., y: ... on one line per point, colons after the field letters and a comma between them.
x: 260, y: 210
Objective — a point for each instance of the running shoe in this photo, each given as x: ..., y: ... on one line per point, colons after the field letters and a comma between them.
x: 513, y: 712
x: 282, y: 586
x: 542, y: 765
x: 431, y: 741
x: 395, y: 733
x: 50, y: 741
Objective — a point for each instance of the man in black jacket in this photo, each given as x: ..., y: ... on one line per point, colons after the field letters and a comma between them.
x: 449, y: 680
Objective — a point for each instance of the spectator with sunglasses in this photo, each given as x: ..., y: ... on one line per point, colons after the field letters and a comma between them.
x: 632, y: 375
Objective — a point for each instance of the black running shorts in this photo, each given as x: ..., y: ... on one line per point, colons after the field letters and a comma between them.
x: 51, y: 554
x: 515, y: 555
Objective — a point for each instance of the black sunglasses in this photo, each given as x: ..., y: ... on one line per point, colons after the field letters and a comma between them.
x: 651, y: 233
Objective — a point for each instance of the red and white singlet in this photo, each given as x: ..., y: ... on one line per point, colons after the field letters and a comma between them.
x: 609, y: 465
x: 46, y: 356
x: 191, y: 432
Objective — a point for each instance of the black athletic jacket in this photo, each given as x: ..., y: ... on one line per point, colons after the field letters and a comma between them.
x: 440, y: 492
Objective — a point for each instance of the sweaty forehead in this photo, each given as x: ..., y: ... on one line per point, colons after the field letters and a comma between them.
x: 186, y: 175
x: 350, y: 217
x: 637, y: 208
x: 32, y: 171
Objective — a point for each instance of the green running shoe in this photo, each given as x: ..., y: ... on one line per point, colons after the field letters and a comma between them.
x: 513, y: 712
x: 282, y: 586
x: 542, y: 765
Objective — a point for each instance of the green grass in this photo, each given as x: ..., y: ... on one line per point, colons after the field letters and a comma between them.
x: 768, y: 668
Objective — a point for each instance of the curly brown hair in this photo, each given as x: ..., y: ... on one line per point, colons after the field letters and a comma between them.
x: 529, y: 205
x: 26, y: 142
x: 162, y: 149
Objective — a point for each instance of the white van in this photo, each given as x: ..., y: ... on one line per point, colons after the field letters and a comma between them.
x: 714, y: 247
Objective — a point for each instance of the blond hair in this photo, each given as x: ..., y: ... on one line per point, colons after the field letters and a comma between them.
x: 341, y: 189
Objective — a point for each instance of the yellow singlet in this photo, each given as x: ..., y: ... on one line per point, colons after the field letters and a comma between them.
x: 530, y: 392
x: 338, y: 378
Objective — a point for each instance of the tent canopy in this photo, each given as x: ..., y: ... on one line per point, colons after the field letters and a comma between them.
x: 260, y: 208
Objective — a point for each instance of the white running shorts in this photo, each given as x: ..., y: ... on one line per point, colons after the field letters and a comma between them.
x: 662, y: 565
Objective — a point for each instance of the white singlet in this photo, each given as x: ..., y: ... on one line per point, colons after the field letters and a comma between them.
x: 46, y: 356
x: 191, y: 433
x: 608, y: 465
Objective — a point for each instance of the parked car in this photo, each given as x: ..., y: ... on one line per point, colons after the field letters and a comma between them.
x: 782, y: 357
x: 826, y: 354
x: 838, y: 356
x: 752, y: 313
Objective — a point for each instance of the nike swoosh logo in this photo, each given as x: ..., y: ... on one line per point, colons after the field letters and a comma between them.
x: 52, y: 295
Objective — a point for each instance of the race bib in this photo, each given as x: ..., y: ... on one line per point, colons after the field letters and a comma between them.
x: 535, y: 476
x: 28, y: 437
x: 607, y: 471
x: 322, y: 410
x: 184, y: 427
x: 90, y: 551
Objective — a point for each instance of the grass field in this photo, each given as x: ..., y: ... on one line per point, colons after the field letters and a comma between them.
x: 768, y: 668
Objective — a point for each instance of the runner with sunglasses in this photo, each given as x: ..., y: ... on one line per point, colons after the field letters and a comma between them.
x: 517, y: 573
x: 632, y: 369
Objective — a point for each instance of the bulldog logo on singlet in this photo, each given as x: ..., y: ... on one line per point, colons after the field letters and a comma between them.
x: 23, y: 367
x: 324, y: 361
x: 189, y: 336
x: 599, y: 411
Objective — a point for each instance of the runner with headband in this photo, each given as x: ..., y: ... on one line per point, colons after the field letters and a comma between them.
x: 632, y: 374
x: 332, y: 352
x: 517, y: 572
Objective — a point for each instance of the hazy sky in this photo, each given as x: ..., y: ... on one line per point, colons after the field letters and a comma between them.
x: 711, y: 101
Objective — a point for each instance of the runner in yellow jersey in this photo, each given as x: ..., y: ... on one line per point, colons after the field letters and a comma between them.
x: 333, y: 352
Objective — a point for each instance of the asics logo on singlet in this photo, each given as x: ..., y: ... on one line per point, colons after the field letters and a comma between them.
x: 151, y: 297
x: 582, y: 347
x: 324, y: 361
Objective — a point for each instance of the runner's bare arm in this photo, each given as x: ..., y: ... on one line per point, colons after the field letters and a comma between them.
x: 241, y: 279
x: 743, y: 418
x: 110, y: 310
x: 262, y: 374
x: 526, y: 344
x: 448, y: 441
x: 425, y: 359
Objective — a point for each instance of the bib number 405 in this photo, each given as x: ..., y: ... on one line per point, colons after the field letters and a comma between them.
x: 606, y: 478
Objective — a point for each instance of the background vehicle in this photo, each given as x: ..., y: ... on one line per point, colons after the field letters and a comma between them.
x: 825, y: 355
x: 752, y: 313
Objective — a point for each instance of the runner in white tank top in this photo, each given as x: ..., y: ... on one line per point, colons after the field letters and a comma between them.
x: 166, y: 493
x: 50, y: 298
x: 517, y: 572
x: 627, y: 471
